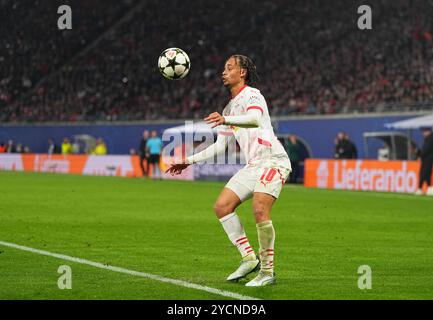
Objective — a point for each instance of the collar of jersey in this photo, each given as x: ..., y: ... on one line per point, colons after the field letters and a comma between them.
x: 237, y: 94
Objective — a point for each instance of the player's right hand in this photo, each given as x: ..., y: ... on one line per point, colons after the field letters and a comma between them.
x: 215, y: 118
x: 177, y: 168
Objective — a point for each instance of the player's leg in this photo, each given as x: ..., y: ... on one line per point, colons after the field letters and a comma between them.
x: 226, y: 203
x: 262, y: 205
x: 266, y: 192
x: 229, y: 199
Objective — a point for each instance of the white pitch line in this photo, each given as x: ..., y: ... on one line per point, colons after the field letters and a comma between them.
x: 130, y: 272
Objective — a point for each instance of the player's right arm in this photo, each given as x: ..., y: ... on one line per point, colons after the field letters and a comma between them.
x: 218, y: 147
x: 255, y: 106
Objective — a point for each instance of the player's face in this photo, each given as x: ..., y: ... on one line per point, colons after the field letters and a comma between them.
x: 232, y: 74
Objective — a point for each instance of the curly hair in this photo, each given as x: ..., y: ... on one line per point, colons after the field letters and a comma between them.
x: 246, y: 63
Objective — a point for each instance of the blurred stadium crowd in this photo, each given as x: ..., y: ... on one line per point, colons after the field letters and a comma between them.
x: 311, y: 56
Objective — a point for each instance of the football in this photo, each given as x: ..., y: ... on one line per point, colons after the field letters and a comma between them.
x: 174, y: 63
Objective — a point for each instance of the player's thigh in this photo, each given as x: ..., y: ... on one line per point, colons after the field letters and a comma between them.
x: 243, y: 182
x: 226, y: 203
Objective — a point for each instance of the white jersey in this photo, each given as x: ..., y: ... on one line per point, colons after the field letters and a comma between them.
x: 256, y: 143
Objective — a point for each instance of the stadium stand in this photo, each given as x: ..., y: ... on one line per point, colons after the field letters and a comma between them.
x: 106, y: 71
x: 33, y: 48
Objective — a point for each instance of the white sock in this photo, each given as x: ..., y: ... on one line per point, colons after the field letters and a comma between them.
x: 266, y: 233
x: 235, y: 231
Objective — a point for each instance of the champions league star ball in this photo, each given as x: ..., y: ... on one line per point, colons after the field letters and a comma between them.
x: 174, y: 63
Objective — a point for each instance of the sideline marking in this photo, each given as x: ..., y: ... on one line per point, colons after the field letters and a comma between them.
x: 131, y: 272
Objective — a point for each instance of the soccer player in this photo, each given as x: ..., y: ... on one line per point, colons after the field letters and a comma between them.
x: 246, y: 119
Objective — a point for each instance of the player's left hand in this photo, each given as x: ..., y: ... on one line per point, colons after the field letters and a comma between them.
x: 216, y: 118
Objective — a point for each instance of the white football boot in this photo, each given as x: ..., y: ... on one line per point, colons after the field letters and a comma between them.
x: 262, y: 279
x: 430, y: 191
x: 245, y: 268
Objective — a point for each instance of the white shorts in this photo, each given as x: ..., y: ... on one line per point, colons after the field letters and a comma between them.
x: 267, y: 176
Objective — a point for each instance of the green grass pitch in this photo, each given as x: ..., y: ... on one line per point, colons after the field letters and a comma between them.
x: 168, y: 228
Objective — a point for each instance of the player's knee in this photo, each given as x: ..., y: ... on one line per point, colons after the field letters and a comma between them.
x: 222, y: 208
